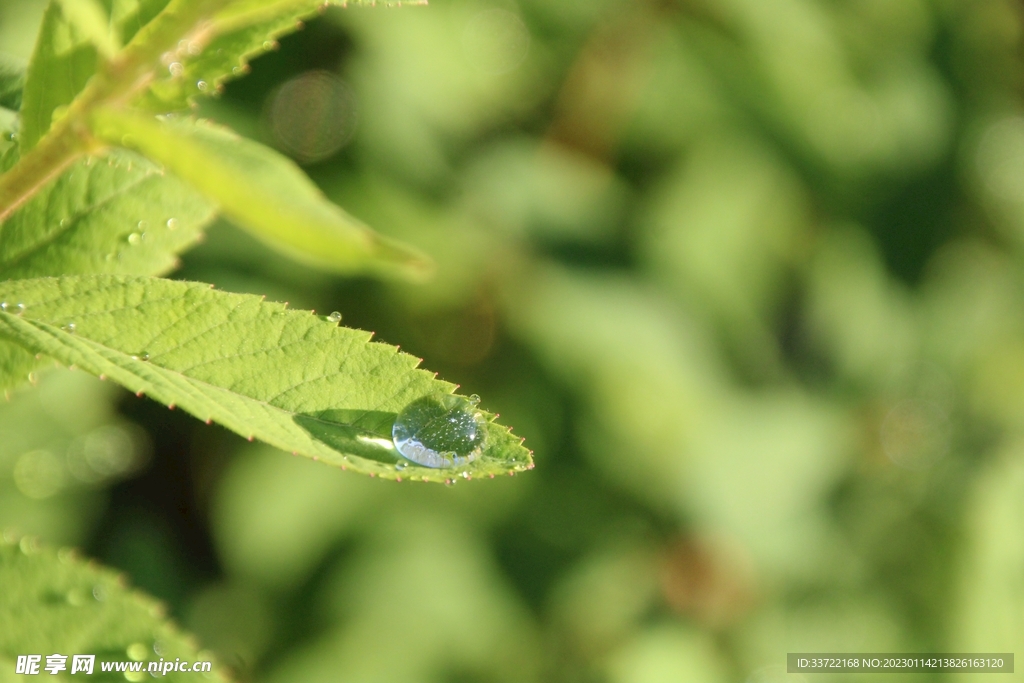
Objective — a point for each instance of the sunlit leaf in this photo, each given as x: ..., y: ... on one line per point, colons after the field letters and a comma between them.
x: 292, y: 379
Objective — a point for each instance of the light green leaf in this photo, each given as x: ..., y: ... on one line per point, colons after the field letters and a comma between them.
x: 294, y: 380
x: 90, y: 19
x: 262, y: 191
x: 118, y: 213
x: 241, y: 31
x: 65, y: 58
x: 52, y: 602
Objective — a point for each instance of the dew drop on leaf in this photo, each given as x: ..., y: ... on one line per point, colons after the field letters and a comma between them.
x: 439, y: 431
x: 334, y: 317
x: 172, y: 223
x: 134, y: 238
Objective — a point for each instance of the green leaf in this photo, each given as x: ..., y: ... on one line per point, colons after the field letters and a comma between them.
x: 65, y: 58
x: 292, y: 379
x: 52, y: 602
x: 241, y: 31
x: 262, y: 191
x: 12, y: 81
x: 90, y: 19
x: 118, y: 213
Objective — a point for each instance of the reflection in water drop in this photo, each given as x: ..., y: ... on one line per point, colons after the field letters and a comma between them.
x: 496, y: 41
x: 439, y: 431
x: 312, y: 116
x: 334, y: 317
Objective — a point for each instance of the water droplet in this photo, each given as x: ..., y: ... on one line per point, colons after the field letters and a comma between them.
x: 202, y: 85
x: 134, y: 238
x: 474, y: 399
x: 21, y: 308
x: 176, y: 69
x: 172, y: 223
x: 76, y: 597
x: 99, y: 593
x: 142, y: 225
x: 63, y: 222
x: 439, y: 431
x: 194, y: 49
x: 236, y: 70
x: 137, y: 652
x: 3, y: 306
x: 334, y: 317
x: 28, y: 545
x: 32, y: 377
x: 70, y: 328
x: 144, y: 357
x: 109, y: 257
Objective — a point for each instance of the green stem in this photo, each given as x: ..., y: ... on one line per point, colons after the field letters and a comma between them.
x: 117, y: 81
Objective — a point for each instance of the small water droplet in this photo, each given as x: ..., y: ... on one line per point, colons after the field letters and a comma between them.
x: 99, y: 593
x: 202, y: 85
x: 176, y: 69
x: 194, y: 49
x: 144, y: 357
x: 32, y: 377
x: 134, y: 238
x: 63, y: 222
x: 142, y: 225
x: 109, y: 257
x: 172, y: 223
x: 3, y: 306
x: 28, y: 545
x: 474, y: 399
x: 236, y: 70
x: 21, y: 308
x: 439, y: 431
x: 76, y: 597
x: 70, y: 328
x: 334, y: 317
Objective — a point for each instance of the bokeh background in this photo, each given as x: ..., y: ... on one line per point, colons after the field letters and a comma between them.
x: 747, y: 276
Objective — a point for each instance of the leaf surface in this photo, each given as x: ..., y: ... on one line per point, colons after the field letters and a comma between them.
x: 54, y: 603
x: 292, y: 379
x: 65, y: 58
x: 262, y: 191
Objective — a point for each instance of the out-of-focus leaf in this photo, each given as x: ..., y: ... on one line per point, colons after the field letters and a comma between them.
x: 989, y: 615
x: 263, y: 192
x: 53, y: 602
x: 12, y: 81
x: 291, y: 379
x: 89, y: 18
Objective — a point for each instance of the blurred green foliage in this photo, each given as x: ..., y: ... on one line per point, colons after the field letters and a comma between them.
x: 745, y: 274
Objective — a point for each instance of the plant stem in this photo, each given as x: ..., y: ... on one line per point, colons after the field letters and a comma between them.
x: 116, y: 82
